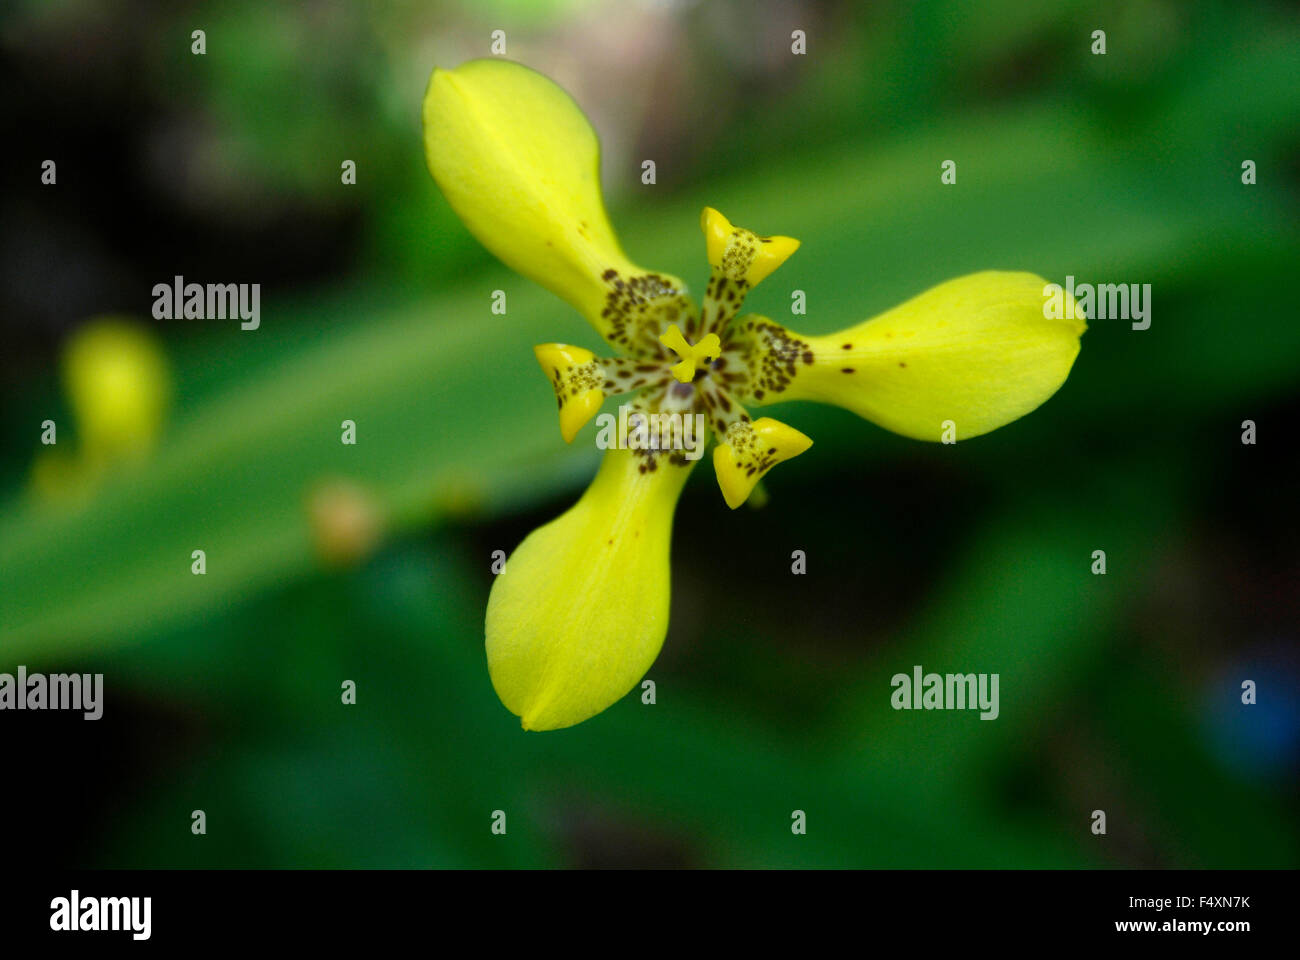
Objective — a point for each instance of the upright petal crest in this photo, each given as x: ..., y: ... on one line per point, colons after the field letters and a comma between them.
x: 748, y: 450
x: 519, y: 163
x: 581, y: 611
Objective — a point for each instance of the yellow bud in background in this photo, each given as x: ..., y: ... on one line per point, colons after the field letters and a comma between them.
x: 346, y: 522
x: 119, y: 387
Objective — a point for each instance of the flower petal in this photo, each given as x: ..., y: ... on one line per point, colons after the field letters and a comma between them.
x: 581, y: 610
x: 576, y: 375
x: 750, y: 450
x: 740, y: 254
x: 978, y: 351
x: 519, y: 163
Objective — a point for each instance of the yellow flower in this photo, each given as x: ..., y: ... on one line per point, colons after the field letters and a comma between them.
x: 118, y: 383
x: 581, y: 610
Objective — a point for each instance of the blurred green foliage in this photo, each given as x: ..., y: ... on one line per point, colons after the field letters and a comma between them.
x: 773, y: 693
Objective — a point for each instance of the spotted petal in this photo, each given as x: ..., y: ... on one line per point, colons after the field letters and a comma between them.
x: 978, y: 351
x: 581, y: 611
x: 749, y: 450
x: 519, y: 163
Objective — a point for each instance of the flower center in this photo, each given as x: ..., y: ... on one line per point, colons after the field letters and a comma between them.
x: 718, y: 357
x: 695, y: 357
